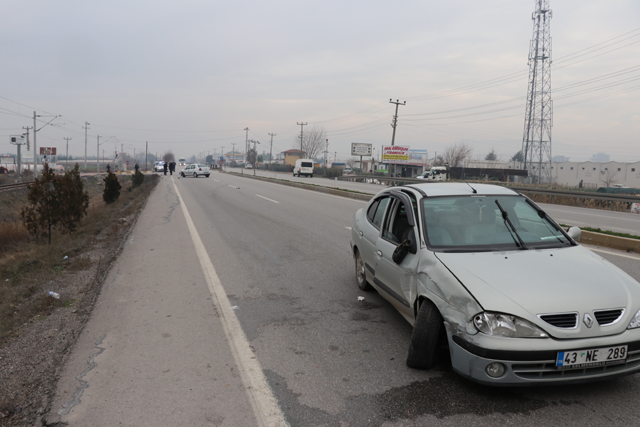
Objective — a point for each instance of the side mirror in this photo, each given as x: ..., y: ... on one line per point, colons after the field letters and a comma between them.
x: 574, y: 233
x: 408, y: 245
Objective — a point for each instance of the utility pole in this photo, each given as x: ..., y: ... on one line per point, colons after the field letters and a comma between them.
x: 326, y: 153
x: 27, y: 129
x: 394, y: 123
x: 302, y: 125
x: 98, y: 155
x: 66, y: 162
x: 246, y: 142
x: 85, y: 127
x: 233, y: 152
x: 538, y: 119
x: 35, y: 148
x: 271, y: 151
x: 146, y: 155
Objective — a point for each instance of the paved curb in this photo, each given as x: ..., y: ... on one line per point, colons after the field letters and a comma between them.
x: 615, y: 242
x: 588, y: 237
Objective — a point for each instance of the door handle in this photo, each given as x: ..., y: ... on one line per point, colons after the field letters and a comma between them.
x: 360, y: 233
x: 379, y: 253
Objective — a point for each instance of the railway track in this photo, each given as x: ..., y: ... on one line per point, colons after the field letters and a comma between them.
x: 10, y: 187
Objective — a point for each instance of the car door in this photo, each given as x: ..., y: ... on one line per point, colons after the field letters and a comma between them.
x: 369, y: 232
x: 398, y: 280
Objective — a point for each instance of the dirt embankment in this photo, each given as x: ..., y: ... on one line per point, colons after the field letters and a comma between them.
x: 32, y: 353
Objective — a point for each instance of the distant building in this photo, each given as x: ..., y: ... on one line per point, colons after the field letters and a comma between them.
x: 290, y: 156
x: 600, y: 158
x: 559, y: 159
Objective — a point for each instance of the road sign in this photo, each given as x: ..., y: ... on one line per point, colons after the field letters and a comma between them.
x: 359, y: 149
x: 47, y: 151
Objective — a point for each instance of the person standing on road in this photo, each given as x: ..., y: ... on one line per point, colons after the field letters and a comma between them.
x: 108, y: 168
x: 137, y: 167
x: 164, y: 167
x: 171, y: 167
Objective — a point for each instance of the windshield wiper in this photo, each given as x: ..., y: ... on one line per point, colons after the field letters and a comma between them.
x: 505, y: 217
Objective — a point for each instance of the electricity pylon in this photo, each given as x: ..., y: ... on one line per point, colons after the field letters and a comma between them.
x: 538, y: 118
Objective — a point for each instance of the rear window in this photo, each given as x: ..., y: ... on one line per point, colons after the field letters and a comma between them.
x: 307, y: 164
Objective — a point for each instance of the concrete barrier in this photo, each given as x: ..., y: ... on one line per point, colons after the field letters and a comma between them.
x: 614, y: 242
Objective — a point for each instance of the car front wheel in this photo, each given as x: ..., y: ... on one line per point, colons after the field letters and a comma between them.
x: 182, y: 173
x: 361, y: 279
x: 426, y: 337
x: 207, y: 175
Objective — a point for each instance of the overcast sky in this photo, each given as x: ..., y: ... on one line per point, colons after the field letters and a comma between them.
x: 189, y: 75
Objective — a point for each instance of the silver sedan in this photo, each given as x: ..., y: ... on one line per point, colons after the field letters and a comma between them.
x: 484, y: 274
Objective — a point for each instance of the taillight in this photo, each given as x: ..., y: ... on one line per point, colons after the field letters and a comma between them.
x: 199, y: 169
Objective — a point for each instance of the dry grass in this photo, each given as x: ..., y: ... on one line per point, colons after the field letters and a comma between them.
x: 27, y: 265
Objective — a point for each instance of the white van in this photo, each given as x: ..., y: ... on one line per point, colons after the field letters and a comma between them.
x: 303, y: 167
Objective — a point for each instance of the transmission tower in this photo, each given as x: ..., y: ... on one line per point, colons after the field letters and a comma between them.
x: 538, y: 117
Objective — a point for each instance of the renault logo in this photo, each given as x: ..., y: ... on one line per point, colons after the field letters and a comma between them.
x: 588, y: 320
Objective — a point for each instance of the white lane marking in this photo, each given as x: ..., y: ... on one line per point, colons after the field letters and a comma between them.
x: 233, y: 186
x: 615, y: 253
x: 331, y: 195
x: 348, y: 228
x: 215, y: 180
x: 266, y: 198
x: 264, y: 404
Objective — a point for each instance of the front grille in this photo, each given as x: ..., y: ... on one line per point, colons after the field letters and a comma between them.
x: 546, y: 370
x: 561, y: 320
x: 608, y: 317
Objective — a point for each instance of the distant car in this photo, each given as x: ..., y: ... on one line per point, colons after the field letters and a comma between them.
x: 249, y: 166
x: 182, y: 162
x: 303, y: 167
x: 424, y: 175
x: 482, y: 271
x: 158, y: 166
x: 347, y: 171
x: 195, y: 170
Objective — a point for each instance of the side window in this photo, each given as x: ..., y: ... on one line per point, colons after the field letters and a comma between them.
x: 378, y: 215
x: 397, y: 223
x: 371, y: 213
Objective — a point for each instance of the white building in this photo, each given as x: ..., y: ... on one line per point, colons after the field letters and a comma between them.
x: 570, y: 174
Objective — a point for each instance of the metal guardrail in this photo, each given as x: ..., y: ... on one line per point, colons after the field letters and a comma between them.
x: 580, y: 195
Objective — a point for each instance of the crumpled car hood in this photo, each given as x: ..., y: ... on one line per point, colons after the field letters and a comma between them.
x: 527, y: 283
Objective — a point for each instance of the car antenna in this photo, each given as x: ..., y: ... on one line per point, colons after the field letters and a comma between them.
x: 462, y: 179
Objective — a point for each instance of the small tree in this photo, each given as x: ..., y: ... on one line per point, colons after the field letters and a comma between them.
x: 111, y: 188
x: 169, y: 157
x: 518, y: 157
x: 252, y: 155
x: 74, y: 201
x: 457, y: 153
x: 491, y: 156
x: 137, y: 179
x: 40, y: 216
x: 55, y: 202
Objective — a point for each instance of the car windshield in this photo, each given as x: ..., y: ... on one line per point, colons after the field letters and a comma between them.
x: 488, y: 223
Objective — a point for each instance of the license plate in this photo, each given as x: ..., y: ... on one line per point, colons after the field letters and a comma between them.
x: 594, y: 357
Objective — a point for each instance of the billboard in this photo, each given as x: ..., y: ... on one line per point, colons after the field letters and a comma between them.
x: 47, y: 151
x: 358, y: 149
x: 398, y: 154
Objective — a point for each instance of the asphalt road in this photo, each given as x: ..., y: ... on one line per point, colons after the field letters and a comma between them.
x: 621, y: 222
x: 161, y: 347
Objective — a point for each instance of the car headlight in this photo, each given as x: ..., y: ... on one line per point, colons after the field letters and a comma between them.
x: 635, y: 322
x: 504, y: 325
